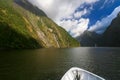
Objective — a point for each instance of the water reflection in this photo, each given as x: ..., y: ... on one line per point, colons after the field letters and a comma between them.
x: 51, y: 64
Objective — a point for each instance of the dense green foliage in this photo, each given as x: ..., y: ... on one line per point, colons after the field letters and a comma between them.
x: 25, y: 26
x: 13, y: 39
x: 13, y: 30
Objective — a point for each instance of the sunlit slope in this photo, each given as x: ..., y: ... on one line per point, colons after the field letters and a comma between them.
x: 23, y: 25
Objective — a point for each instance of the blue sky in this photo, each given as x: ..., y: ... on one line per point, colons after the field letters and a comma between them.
x: 102, y: 9
x: 76, y: 16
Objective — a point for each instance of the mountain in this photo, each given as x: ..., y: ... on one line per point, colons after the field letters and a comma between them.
x: 89, y: 39
x: 23, y: 25
x: 111, y: 36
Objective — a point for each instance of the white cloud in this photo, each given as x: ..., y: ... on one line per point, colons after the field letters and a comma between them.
x: 80, y: 27
x: 80, y: 13
x: 101, y: 25
x: 62, y: 9
x: 57, y: 9
x: 75, y: 27
x: 106, y: 2
x: 68, y: 24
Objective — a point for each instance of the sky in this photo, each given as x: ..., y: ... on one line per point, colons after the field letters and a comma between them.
x: 76, y: 16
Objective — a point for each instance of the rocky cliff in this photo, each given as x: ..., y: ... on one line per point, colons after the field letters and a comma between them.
x: 89, y: 39
x: 23, y: 25
x: 111, y: 36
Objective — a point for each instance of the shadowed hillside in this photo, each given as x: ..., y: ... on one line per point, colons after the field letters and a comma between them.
x: 89, y: 39
x: 13, y: 39
x: 28, y: 6
x: 29, y: 27
x: 110, y: 38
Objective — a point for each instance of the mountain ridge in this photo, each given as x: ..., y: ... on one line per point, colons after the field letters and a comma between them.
x: 89, y: 39
x: 110, y: 38
x: 32, y: 23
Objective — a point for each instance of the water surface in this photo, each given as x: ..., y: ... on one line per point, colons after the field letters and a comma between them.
x: 51, y: 64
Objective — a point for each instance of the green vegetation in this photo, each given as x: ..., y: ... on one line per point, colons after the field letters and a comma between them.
x: 25, y: 26
x: 51, y: 30
x: 13, y: 30
x: 13, y: 39
x: 67, y: 39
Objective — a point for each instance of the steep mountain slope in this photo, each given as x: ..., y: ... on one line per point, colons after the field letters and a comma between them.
x: 89, y: 39
x: 111, y: 36
x: 23, y: 25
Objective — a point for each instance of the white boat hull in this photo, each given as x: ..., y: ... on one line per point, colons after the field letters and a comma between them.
x: 80, y: 74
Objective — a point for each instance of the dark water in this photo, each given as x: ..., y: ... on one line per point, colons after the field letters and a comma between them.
x: 51, y: 64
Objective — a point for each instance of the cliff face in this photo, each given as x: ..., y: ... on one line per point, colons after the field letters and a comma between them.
x: 89, y: 39
x: 111, y: 36
x: 23, y: 25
